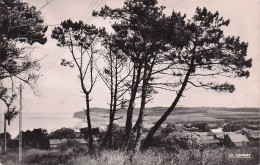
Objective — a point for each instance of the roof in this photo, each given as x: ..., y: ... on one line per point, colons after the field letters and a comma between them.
x: 258, y: 131
x: 219, y: 135
x: 216, y: 130
x: 236, y: 138
x: 209, y: 141
x: 81, y: 140
x: 212, y: 125
x: 59, y: 141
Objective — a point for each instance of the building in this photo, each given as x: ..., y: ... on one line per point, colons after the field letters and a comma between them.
x: 252, y: 135
x: 212, y: 126
x: 255, y: 135
x: 219, y: 135
x: 213, y: 131
x: 209, y: 142
x: 234, y: 139
x: 55, y: 142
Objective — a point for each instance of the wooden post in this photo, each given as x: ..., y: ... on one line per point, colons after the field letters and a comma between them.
x: 20, y: 126
x: 4, y: 133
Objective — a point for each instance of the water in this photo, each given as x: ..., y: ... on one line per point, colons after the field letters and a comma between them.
x: 50, y: 121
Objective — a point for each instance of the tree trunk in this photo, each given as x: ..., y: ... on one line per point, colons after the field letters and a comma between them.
x: 128, y: 125
x: 141, y: 113
x: 113, y: 103
x: 152, y: 131
x: 90, y: 136
x: 111, y: 118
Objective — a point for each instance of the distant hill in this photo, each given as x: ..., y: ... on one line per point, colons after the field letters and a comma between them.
x: 216, y: 112
x: 82, y: 114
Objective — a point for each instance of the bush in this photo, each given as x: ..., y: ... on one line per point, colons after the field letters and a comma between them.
x: 167, y: 130
x: 38, y: 138
x: 2, y: 136
x: 117, y: 137
x: 70, y: 144
x: 63, y: 147
x: 13, y: 144
x: 63, y: 133
x: 73, y: 143
x: 173, y: 141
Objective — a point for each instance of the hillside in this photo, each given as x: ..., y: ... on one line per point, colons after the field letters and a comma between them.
x: 182, y: 113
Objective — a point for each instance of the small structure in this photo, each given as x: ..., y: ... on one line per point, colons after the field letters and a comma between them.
x: 55, y: 142
x: 178, y: 128
x: 234, y: 139
x: 212, y: 126
x: 78, y: 134
x: 253, y: 126
x: 81, y: 140
x: 188, y: 125
x: 209, y: 142
x: 213, y: 131
x: 219, y: 135
x: 255, y: 135
x: 102, y: 128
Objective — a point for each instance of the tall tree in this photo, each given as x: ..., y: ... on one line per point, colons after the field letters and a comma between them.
x: 81, y: 40
x: 21, y: 26
x: 115, y: 76
x: 208, y: 54
x: 141, y: 35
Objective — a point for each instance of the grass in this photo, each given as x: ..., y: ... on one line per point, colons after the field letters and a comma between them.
x: 210, y: 156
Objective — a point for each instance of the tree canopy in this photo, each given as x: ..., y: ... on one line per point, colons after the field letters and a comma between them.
x: 207, y: 56
x: 20, y: 24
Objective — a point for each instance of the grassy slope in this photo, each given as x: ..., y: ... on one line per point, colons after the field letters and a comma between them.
x: 217, y: 156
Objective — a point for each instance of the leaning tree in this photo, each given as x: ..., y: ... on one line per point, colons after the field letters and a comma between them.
x: 207, y: 59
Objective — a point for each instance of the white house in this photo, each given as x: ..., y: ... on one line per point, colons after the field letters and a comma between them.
x: 213, y: 131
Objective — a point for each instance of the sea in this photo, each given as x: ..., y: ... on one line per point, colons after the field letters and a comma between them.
x: 48, y: 121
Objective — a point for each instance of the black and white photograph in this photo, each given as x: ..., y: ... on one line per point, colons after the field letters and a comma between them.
x: 129, y: 82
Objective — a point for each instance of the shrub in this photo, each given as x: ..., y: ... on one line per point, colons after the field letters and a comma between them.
x: 72, y: 143
x: 63, y: 147
x: 167, y: 130
x: 65, y: 133
x: 117, y: 137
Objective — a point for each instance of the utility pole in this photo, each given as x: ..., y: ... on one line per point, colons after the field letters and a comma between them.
x: 4, y: 133
x: 20, y: 126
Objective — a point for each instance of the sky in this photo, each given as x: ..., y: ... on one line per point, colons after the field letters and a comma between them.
x: 58, y: 89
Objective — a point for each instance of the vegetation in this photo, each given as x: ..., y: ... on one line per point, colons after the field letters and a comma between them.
x: 146, y: 39
x: 81, y: 40
x: 63, y: 133
x: 145, y: 46
x: 238, y: 125
x: 152, y: 156
x: 21, y: 26
x: 38, y: 138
